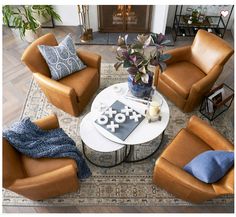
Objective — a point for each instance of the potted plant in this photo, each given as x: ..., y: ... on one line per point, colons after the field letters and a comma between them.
x: 21, y: 18
x: 43, y: 13
x: 138, y: 63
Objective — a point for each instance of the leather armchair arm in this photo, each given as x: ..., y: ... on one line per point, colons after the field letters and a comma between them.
x: 48, y: 123
x: 226, y: 184
x: 178, y: 54
x: 205, y: 84
x: 200, y: 88
x: 58, y: 180
x: 208, y: 134
x: 53, y: 85
x: 58, y: 94
x: 179, y: 176
x: 90, y: 59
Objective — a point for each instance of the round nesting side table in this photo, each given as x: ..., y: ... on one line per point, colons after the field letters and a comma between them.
x: 99, y: 139
x: 97, y: 142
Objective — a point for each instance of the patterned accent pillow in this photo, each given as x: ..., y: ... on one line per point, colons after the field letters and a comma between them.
x: 62, y: 59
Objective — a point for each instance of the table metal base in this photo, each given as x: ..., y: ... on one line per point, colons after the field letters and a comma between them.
x: 126, y: 154
x: 146, y: 157
x: 128, y: 150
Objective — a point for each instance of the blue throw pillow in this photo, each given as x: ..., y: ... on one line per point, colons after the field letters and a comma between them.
x: 210, y: 166
x: 62, y: 59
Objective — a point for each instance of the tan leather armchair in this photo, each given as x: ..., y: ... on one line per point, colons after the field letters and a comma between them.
x: 196, y: 138
x: 72, y: 93
x: 42, y: 178
x: 192, y: 70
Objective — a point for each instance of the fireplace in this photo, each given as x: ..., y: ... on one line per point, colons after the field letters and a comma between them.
x: 124, y: 18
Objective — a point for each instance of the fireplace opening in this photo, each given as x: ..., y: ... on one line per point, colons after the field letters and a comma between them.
x: 124, y: 18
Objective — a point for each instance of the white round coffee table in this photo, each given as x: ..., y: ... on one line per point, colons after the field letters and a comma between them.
x: 143, y: 133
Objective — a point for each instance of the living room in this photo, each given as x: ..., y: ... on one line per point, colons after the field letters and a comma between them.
x: 123, y: 107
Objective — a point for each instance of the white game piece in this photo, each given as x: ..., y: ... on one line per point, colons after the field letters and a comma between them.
x: 120, y: 118
x: 135, y: 116
x: 126, y: 110
x: 103, y: 119
x: 110, y: 112
x: 113, y: 126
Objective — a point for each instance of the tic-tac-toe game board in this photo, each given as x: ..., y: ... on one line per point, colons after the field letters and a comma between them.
x: 120, y: 120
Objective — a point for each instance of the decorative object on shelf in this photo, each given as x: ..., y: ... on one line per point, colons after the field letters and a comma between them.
x: 190, y: 21
x: 189, y: 12
x: 217, y: 101
x: 214, y: 20
x: 87, y: 32
x: 139, y: 64
x: 195, y: 15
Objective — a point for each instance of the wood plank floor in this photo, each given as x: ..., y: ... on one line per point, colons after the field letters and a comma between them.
x: 16, y: 81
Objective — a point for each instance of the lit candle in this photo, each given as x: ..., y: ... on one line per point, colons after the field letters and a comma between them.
x: 154, y: 108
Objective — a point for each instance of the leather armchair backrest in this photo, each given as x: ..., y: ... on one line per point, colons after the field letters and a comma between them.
x: 33, y: 58
x: 12, y: 165
x: 209, y: 50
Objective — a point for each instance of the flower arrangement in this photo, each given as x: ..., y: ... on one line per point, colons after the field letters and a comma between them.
x: 134, y: 58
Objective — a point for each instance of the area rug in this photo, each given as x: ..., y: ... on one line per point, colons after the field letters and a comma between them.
x: 126, y: 184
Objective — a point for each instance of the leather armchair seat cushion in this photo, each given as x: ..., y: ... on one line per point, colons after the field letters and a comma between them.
x: 184, y: 148
x: 34, y: 167
x: 176, y: 76
x: 82, y: 82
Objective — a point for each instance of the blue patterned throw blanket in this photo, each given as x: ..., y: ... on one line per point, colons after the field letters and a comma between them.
x: 30, y: 140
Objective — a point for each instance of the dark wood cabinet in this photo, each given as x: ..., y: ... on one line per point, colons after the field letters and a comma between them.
x: 124, y: 18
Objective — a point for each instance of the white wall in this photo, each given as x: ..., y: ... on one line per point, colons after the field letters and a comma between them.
x: 69, y: 15
x: 93, y: 16
x: 159, y: 18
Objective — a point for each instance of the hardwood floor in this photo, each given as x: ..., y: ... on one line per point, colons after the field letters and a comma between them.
x: 119, y: 209
x: 16, y: 81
